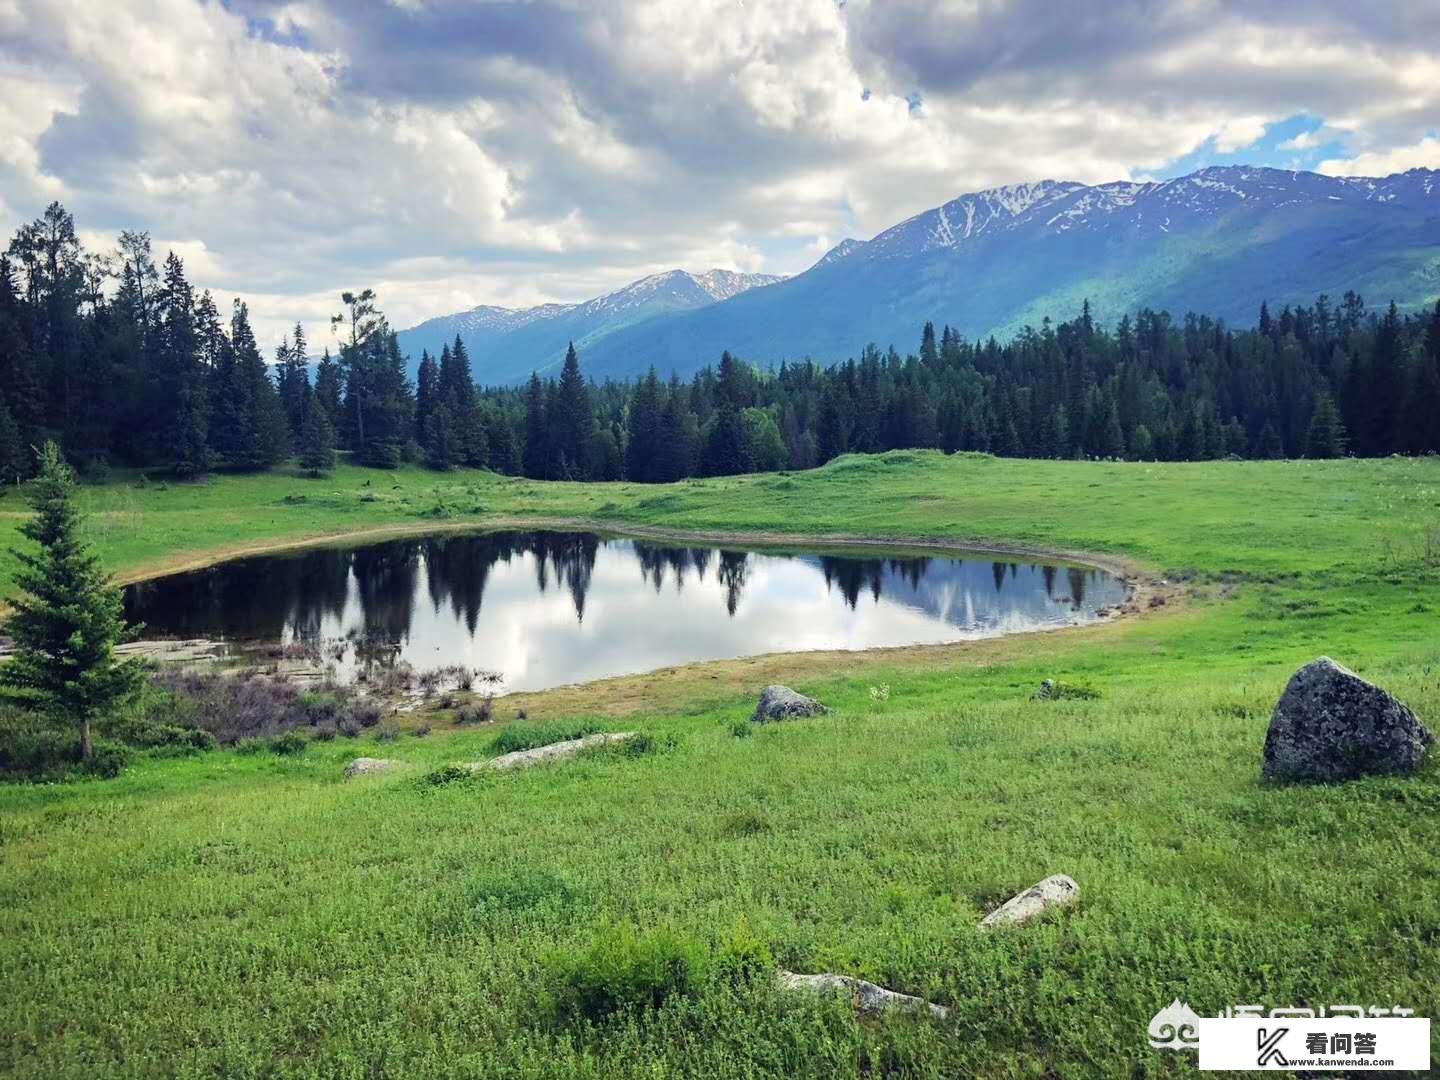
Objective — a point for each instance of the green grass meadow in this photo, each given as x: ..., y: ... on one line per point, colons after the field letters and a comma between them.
x: 255, y: 915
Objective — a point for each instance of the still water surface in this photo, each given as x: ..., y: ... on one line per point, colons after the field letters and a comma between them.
x: 548, y: 608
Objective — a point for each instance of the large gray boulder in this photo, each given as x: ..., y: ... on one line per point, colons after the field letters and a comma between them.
x: 782, y: 703
x: 1330, y: 724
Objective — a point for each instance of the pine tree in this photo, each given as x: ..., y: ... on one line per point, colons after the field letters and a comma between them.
x: 317, y: 440
x: 572, y: 421
x: 68, y: 617
x: 457, y: 389
x: 537, y: 450
x: 13, y: 466
x: 329, y: 387
x: 1326, y: 438
x: 725, y: 453
x: 292, y: 374
x: 442, y: 449
x: 643, y: 421
x: 258, y: 437
x: 427, y: 394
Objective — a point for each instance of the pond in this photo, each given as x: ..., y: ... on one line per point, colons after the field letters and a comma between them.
x: 545, y: 609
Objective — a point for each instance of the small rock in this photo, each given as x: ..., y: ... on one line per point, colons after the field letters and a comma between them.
x: 1045, y: 691
x: 1157, y: 600
x: 521, y: 759
x: 867, y: 998
x: 1056, y: 891
x: 1330, y: 724
x: 782, y: 703
x: 364, y: 765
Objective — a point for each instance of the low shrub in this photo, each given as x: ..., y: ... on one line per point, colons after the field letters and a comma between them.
x: 478, y: 713
x: 290, y: 743
x: 448, y: 774
x: 625, y: 971
x: 1058, y: 690
x: 387, y: 733
x: 365, y: 713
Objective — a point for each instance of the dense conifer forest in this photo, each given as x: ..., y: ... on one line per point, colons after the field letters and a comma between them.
x: 117, y: 357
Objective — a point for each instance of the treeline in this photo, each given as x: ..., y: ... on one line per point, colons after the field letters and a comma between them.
x: 119, y: 359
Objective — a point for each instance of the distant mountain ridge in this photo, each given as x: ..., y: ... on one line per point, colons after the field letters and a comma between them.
x: 506, y: 344
x: 1217, y: 241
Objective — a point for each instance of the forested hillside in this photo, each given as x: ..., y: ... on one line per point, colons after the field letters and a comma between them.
x: 118, y: 358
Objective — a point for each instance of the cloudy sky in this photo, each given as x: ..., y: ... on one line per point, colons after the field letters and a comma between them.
x: 457, y: 152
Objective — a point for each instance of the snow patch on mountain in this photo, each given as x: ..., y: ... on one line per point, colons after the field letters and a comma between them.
x: 1149, y: 207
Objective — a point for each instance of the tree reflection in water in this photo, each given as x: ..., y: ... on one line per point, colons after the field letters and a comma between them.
x: 423, y: 599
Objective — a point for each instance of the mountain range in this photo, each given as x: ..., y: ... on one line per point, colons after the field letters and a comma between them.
x: 506, y: 344
x: 1217, y: 241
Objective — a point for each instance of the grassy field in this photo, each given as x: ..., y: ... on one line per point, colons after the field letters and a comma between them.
x: 255, y: 915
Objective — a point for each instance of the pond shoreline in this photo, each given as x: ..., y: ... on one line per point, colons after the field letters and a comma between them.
x: 1130, y: 571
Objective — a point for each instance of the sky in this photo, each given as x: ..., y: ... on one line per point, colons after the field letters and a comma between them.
x: 450, y: 153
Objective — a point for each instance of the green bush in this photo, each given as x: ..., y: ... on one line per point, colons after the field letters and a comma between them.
x: 107, y: 760
x: 529, y: 736
x: 448, y: 774
x: 291, y: 742
x: 624, y: 971
x: 1059, y: 690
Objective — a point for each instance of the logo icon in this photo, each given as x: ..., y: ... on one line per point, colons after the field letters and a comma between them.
x: 1175, y: 1027
x: 1268, y: 1043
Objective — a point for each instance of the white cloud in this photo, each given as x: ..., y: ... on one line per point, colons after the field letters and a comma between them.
x: 1423, y: 155
x: 452, y: 153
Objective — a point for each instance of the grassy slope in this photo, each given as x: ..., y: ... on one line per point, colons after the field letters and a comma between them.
x: 257, y: 916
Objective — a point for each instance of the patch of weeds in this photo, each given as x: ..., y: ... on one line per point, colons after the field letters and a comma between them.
x: 669, y: 501
x: 295, y: 497
x: 387, y: 733
x: 750, y: 821
x: 642, y: 745
x: 478, y: 713
x: 741, y: 729
x: 365, y: 713
x: 519, y: 889
x: 421, y: 731
x: 448, y: 774
x: 623, y: 971
x: 288, y: 744
x: 1060, y: 690
x: 529, y: 736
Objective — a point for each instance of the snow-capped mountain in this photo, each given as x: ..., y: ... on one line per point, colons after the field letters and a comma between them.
x: 1217, y: 241
x: 1144, y: 208
x: 506, y: 344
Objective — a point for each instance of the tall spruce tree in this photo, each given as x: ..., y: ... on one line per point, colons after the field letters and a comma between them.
x: 317, y: 440
x: 1326, y: 438
x: 68, y: 616
x: 572, y: 422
